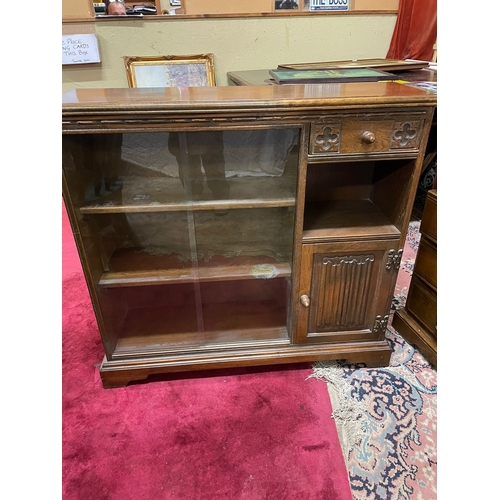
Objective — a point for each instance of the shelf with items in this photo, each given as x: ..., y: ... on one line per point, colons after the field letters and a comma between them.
x: 83, y: 10
x: 132, y: 4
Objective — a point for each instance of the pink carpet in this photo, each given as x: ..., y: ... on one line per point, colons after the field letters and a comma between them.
x: 249, y: 434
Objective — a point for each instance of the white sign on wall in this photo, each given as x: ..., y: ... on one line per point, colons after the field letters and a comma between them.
x: 315, y: 5
x: 80, y: 49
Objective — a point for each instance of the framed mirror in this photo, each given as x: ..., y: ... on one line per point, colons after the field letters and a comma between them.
x: 170, y: 71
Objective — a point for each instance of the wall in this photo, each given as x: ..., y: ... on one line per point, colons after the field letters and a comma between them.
x: 237, y: 43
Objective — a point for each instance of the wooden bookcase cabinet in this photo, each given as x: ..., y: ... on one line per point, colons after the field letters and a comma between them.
x: 290, y: 254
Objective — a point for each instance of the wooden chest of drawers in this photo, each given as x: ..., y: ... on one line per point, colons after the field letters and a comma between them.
x: 417, y: 323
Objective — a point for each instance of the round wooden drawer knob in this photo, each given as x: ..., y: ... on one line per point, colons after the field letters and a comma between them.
x: 368, y: 137
x: 305, y: 301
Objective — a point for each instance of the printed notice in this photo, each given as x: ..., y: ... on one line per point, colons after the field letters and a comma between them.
x: 80, y: 49
x: 328, y: 5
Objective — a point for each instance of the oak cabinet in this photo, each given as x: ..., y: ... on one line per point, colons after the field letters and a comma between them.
x: 233, y: 226
x: 417, y: 322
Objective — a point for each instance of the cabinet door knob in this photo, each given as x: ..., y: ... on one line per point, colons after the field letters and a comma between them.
x: 368, y: 137
x: 304, y: 300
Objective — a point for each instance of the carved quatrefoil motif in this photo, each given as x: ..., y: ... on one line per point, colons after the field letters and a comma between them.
x: 329, y: 140
x: 405, y: 135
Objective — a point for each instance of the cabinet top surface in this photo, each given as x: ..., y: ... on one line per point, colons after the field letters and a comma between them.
x: 233, y: 97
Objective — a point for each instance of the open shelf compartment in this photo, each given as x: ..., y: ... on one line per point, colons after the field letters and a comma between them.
x: 346, y: 200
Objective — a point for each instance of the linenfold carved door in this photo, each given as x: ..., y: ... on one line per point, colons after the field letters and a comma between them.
x: 343, y: 290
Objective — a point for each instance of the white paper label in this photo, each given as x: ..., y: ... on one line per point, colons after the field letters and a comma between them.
x: 80, y: 49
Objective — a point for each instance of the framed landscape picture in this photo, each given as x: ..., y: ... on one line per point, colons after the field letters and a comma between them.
x: 330, y: 75
x: 170, y: 71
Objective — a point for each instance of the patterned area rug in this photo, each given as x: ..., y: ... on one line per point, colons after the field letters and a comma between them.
x: 387, y: 417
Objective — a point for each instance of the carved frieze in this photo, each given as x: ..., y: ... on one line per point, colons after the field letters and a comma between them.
x: 406, y: 134
x: 327, y: 139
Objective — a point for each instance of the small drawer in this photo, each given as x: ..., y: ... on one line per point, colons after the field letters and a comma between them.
x: 426, y: 263
x: 422, y: 304
x: 428, y: 225
x: 376, y: 133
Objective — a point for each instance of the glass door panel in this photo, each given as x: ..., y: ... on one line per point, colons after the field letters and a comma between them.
x: 132, y: 214
x: 244, y: 228
x: 190, y: 234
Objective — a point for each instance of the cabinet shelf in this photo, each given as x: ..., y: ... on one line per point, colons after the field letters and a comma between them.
x: 138, y: 195
x: 346, y: 219
x: 245, y: 324
x: 129, y: 270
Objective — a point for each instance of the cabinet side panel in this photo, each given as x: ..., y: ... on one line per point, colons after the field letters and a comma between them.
x: 92, y: 267
x: 392, y: 184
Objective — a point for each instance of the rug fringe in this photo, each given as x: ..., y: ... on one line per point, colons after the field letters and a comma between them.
x: 348, y: 413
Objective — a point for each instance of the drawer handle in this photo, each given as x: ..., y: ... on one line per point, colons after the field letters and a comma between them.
x: 368, y: 137
x: 305, y: 301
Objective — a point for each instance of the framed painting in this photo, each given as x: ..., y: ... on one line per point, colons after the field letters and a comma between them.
x: 170, y: 71
x: 340, y: 75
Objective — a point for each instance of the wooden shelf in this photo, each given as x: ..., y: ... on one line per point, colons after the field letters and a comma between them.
x: 164, y: 331
x: 166, y: 194
x: 137, y: 269
x: 153, y: 3
x: 345, y: 219
x: 82, y: 10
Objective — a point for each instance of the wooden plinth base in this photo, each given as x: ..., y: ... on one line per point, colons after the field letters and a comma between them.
x: 120, y: 372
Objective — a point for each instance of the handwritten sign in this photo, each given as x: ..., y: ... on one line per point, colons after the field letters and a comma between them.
x: 315, y: 5
x: 80, y: 49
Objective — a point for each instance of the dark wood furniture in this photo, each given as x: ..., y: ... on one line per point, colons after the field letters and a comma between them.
x: 417, y: 322
x: 284, y: 248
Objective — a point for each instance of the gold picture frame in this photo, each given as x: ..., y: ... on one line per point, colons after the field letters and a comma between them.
x: 170, y: 71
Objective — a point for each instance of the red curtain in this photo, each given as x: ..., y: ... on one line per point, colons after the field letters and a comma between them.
x: 415, y: 32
